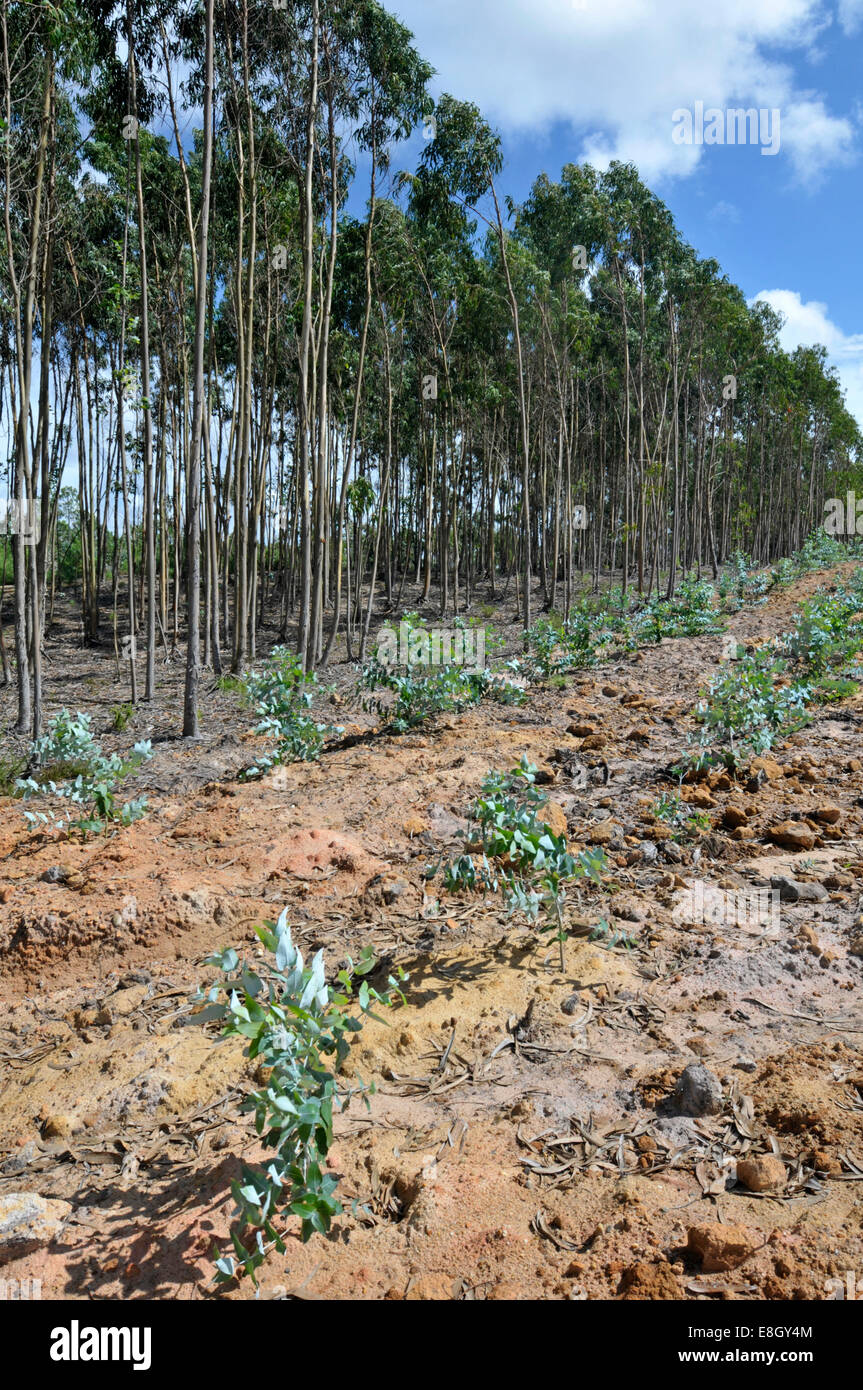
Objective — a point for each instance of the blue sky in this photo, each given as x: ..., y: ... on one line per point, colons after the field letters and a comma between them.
x: 567, y: 80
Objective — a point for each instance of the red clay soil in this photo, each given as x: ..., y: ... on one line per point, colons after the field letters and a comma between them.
x: 523, y: 1141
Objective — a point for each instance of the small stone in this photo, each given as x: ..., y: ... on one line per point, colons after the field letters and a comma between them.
x: 699, y: 796
x: 28, y: 1222
x: 392, y: 889
x: 823, y: 1162
x: 812, y: 893
x: 792, y: 834
x: 595, y: 742
x: 698, y: 1091
x: 430, y: 1288
x: 504, y: 1291
x: 734, y: 816
x: 59, y: 1126
x: 827, y: 814
x: 789, y: 891
x: 766, y: 1173
x: 835, y: 881
x: 55, y: 874
x: 649, y: 1282
x: 554, y: 817
x: 769, y: 766
x: 658, y: 832
x: 720, y: 1247
x: 747, y: 1064
x: 17, y: 1162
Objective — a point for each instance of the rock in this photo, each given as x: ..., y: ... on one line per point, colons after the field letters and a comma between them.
x: 391, y: 889
x: 443, y: 824
x: 766, y: 1173
x: 698, y: 1091
x: 28, y: 1222
x: 554, y: 817
x: 827, y: 814
x: 658, y: 832
x: 734, y: 816
x: 647, y: 852
x: 792, y: 834
x: 19, y: 1160
x: 672, y: 852
x: 649, y: 1282
x: 789, y: 890
x: 823, y: 1162
x: 430, y: 1288
x: 769, y: 766
x: 611, y: 691
x: 60, y: 1126
x: 545, y: 777
x: 720, y: 1247
x: 505, y: 1291
x: 572, y: 1004
x: 414, y: 825
x: 638, y: 735
x: 55, y: 874
x: 835, y: 881
x: 579, y: 730
x: 809, y: 937
x: 595, y: 742
x: 679, y: 1129
x: 747, y: 1064
x: 698, y: 796
x: 810, y: 892
x: 600, y: 834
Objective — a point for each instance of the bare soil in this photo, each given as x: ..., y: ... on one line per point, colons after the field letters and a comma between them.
x: 514, y: 1148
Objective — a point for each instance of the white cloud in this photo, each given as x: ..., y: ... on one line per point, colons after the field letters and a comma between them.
x: 616, y: 70
x: 816, y: 138
x: 808, y: 323
x: 725, y: 212
x: 850, y: 15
